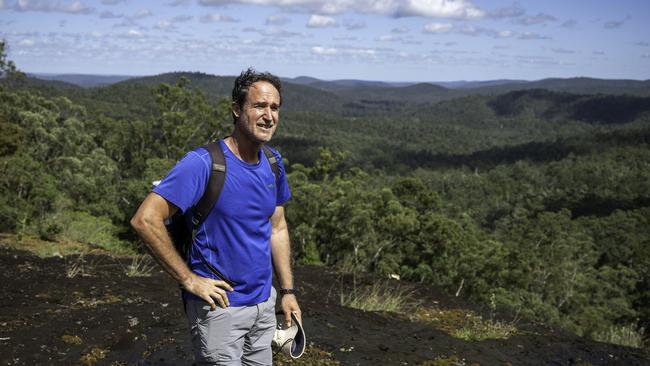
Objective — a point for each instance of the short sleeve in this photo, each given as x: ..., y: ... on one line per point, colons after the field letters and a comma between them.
x: 183, y: 186
x: 284, y: 193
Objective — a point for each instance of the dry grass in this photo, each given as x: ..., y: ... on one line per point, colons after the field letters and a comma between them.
x: 95, y: 355
x: 78, y: 266
x: 380, y: 297
x: 478, y: 329
x: 629, y: 336
x: 141, y: 266
x: 452, y: 360
x: 465, y: 324
x: 72, y: 339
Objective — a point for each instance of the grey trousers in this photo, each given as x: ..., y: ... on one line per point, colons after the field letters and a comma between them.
x: 238, y: 335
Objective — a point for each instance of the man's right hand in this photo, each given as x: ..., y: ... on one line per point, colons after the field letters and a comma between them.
x: 208, y: 289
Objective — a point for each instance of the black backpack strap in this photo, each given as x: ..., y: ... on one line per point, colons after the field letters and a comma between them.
x: 215, y: 184
x: 210, y: 197
x: 273, y: 161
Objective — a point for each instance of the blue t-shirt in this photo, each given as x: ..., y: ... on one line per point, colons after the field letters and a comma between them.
x: 235, y: 236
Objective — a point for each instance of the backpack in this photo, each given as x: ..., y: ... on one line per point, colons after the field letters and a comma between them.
x: 177, y: 225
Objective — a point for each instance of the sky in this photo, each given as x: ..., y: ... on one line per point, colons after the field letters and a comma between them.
x: 388, y: 40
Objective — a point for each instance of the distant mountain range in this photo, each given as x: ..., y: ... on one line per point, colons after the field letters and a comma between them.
x: 351, y: 83
x: 580, y: 85
x: 349, y: 97
x: 83, y: 80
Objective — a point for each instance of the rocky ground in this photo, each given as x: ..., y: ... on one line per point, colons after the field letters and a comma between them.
x: 71, y: 310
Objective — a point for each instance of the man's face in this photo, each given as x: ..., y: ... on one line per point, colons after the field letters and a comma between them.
x: 258, y: 118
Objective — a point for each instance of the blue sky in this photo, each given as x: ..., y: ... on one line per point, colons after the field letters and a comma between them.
x: 391, y: 40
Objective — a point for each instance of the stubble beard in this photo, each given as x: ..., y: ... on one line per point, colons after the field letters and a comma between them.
x: 258, y: 133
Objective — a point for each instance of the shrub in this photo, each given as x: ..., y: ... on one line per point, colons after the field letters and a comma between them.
x: 98, y: 231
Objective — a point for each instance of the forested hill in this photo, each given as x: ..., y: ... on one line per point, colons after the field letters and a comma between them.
x: 83, y: 80
x: 357, y: 98
x: 360, y: 91
x: 41, y: 83
x: 295, y: 96
x: 580, y: 85
x: 535, y: 201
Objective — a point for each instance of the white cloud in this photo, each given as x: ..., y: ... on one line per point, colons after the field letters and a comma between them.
x: 347, y: 51
x: 400, y: 30
x: 279, y: 32
x: 277, y: 20
x: 540, y: 18
x: 532, y: 36
x: 75, y: 7
x: 110, y: 15
x: 458, y: 9
x: 2, y: 4
x: 320, y: 21
x: 181, y: 18
x: 353, y: 25
x: 645, y: 55
x: 352, y: 52
x: 510, y: 12
x: 217, y: 18
x: 132, y: 33
x: 613, y: 24
x: 127, y: 22
x: 143, y: 14
x: 535, y: 60
x: 276, y: 32
x: 562, y: 50
x: 27, y: 42
x: 571, y: 23
x: 112, y: 2
x: 388, y: 39
x: 344, y: 37
x: 438, y: 27
x: 318, y: 50
x: 504, y: 34
x: 178, y: 2
x: 468, y: 30
x: 164, y: 24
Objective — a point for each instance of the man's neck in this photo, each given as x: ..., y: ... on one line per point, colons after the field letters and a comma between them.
x: 243, y: 148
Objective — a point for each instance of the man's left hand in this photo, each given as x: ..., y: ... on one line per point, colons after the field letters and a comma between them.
x: 290, y: 305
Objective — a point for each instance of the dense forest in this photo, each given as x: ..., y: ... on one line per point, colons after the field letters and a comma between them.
x: 538, y: 199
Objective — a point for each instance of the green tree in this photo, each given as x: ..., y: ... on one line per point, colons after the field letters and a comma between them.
x: 8, y: 68
x: 186, y: 118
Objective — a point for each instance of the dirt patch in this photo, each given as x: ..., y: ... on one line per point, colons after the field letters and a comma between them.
x: 107, y: 318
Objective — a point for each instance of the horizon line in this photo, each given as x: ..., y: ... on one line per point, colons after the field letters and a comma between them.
x: 332, y: 80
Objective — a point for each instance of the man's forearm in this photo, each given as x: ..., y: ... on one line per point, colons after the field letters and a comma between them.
x: 281, y: 252
x: 157, y: 239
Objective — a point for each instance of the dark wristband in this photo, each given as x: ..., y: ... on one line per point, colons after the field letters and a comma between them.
x: 288, y: 291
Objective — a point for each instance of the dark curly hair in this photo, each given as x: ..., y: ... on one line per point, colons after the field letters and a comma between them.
x: 245, y: 80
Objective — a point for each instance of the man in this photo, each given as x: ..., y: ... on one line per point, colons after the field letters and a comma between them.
x: 244, y: 237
